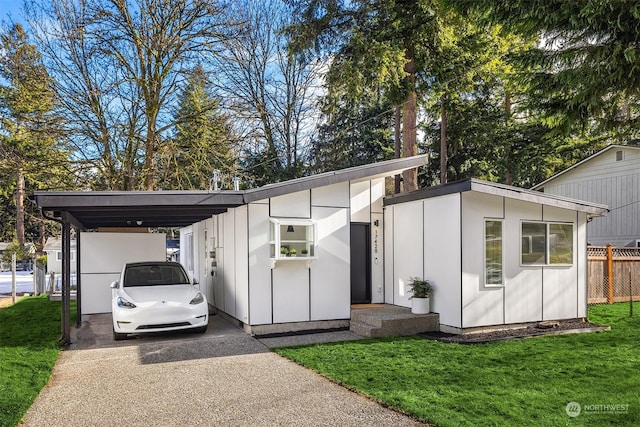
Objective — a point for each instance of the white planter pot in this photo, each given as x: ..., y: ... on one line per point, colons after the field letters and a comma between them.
x: 420, y: 305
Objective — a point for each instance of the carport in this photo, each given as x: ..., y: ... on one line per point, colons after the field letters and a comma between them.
x: 90, y: 210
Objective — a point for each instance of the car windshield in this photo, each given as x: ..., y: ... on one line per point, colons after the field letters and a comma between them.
x: 155, y: 274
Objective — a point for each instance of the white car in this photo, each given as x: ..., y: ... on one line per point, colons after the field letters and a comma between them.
x: 154, y: 297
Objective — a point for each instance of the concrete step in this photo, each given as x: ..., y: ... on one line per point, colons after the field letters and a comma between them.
x: 394, y: 321
x: 364, y: 329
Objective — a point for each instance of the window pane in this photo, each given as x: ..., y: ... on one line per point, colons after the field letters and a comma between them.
x: 493, y: 252
x: 534, y: 243
x: 560, y: 243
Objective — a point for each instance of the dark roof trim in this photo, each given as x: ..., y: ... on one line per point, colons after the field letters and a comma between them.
x: 499, y: 190
x: 75, y: 199
x: 599, y: 153
x: 386, y: 168
x: 93, y: 209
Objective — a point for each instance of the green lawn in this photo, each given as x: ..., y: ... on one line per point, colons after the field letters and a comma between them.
x: 29, y: 334
x: 518, y: 382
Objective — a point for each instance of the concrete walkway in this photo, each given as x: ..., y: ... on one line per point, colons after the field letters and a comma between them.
x: 224, y: 377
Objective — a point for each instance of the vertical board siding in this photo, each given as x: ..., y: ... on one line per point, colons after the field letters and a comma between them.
x: 331, y: 274
x: 259, y: 265
x: 604, y: 180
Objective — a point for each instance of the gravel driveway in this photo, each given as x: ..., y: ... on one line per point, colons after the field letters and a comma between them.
x: 224, y: 377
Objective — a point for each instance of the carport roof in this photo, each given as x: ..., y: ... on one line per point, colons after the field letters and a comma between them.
x: 93, y: 209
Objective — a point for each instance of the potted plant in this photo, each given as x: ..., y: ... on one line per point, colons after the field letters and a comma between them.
x: 293, y: 252
x: 304, y: 252
x: 421, y: 291
x: 284, y: 251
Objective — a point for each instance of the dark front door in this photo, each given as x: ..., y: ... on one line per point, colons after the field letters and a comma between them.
x: 360, y: 263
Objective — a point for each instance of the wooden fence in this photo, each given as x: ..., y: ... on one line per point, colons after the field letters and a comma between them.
x: 613, y: 274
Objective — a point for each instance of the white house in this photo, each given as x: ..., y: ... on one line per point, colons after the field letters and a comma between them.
x: 333, y: 222
x: 610, y: 177
x: 296, y: 255
x: 496, y: 254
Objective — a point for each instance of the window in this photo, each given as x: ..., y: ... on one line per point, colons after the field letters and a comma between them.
x: 547, y: 243
x: 534, y: 242
x: 492, y: 252
x: 560, y: 244
x: 291, y: 239
x: 618, y: 156
x: 59, y: 255
x: 150, y: 274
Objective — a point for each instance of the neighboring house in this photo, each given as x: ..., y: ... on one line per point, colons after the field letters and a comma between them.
x: 53, y: 248
x: 496, y: 255
x: 610, y: 177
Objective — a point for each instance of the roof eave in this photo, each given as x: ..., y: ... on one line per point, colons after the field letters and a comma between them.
x: 371, y: 171
x: 486, y: 187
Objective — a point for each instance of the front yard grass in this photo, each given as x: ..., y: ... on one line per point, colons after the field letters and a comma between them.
x: 29, y: 334
x: 517, y: 382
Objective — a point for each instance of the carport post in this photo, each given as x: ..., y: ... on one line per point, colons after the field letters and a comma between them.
x: 78, y: 287
x: 66, y: 283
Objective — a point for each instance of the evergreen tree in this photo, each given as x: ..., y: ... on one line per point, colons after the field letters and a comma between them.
x: 202, y: 142
x: 355, y: 132
x: 30, y: 148
x: 586, y: 65
x: 469, y: 95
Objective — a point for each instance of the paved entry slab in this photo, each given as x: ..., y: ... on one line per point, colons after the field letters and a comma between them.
x: 223, y: 377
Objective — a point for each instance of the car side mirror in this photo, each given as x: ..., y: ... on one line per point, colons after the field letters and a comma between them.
x: 195, y: 281
x: 114, y: 285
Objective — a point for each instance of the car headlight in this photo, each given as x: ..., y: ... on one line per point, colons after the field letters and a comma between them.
x: 197, y: 299
x: 123, y: 303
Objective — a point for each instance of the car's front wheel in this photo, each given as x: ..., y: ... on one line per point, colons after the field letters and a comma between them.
x: 118, y: 336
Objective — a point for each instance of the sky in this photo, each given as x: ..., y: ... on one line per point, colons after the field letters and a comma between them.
x: 12, y: 8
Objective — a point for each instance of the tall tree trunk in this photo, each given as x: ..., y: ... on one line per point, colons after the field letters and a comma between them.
x: 508, y: 175
x: 410, y: 176
x: 20, y: 206
x: 42, y: 240
x: 443, y: 139
x: 149, y: 158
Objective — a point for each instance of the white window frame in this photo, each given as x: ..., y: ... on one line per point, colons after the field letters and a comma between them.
x: 484, y: 258
x: 276, y: 240
x: 59, y: 255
